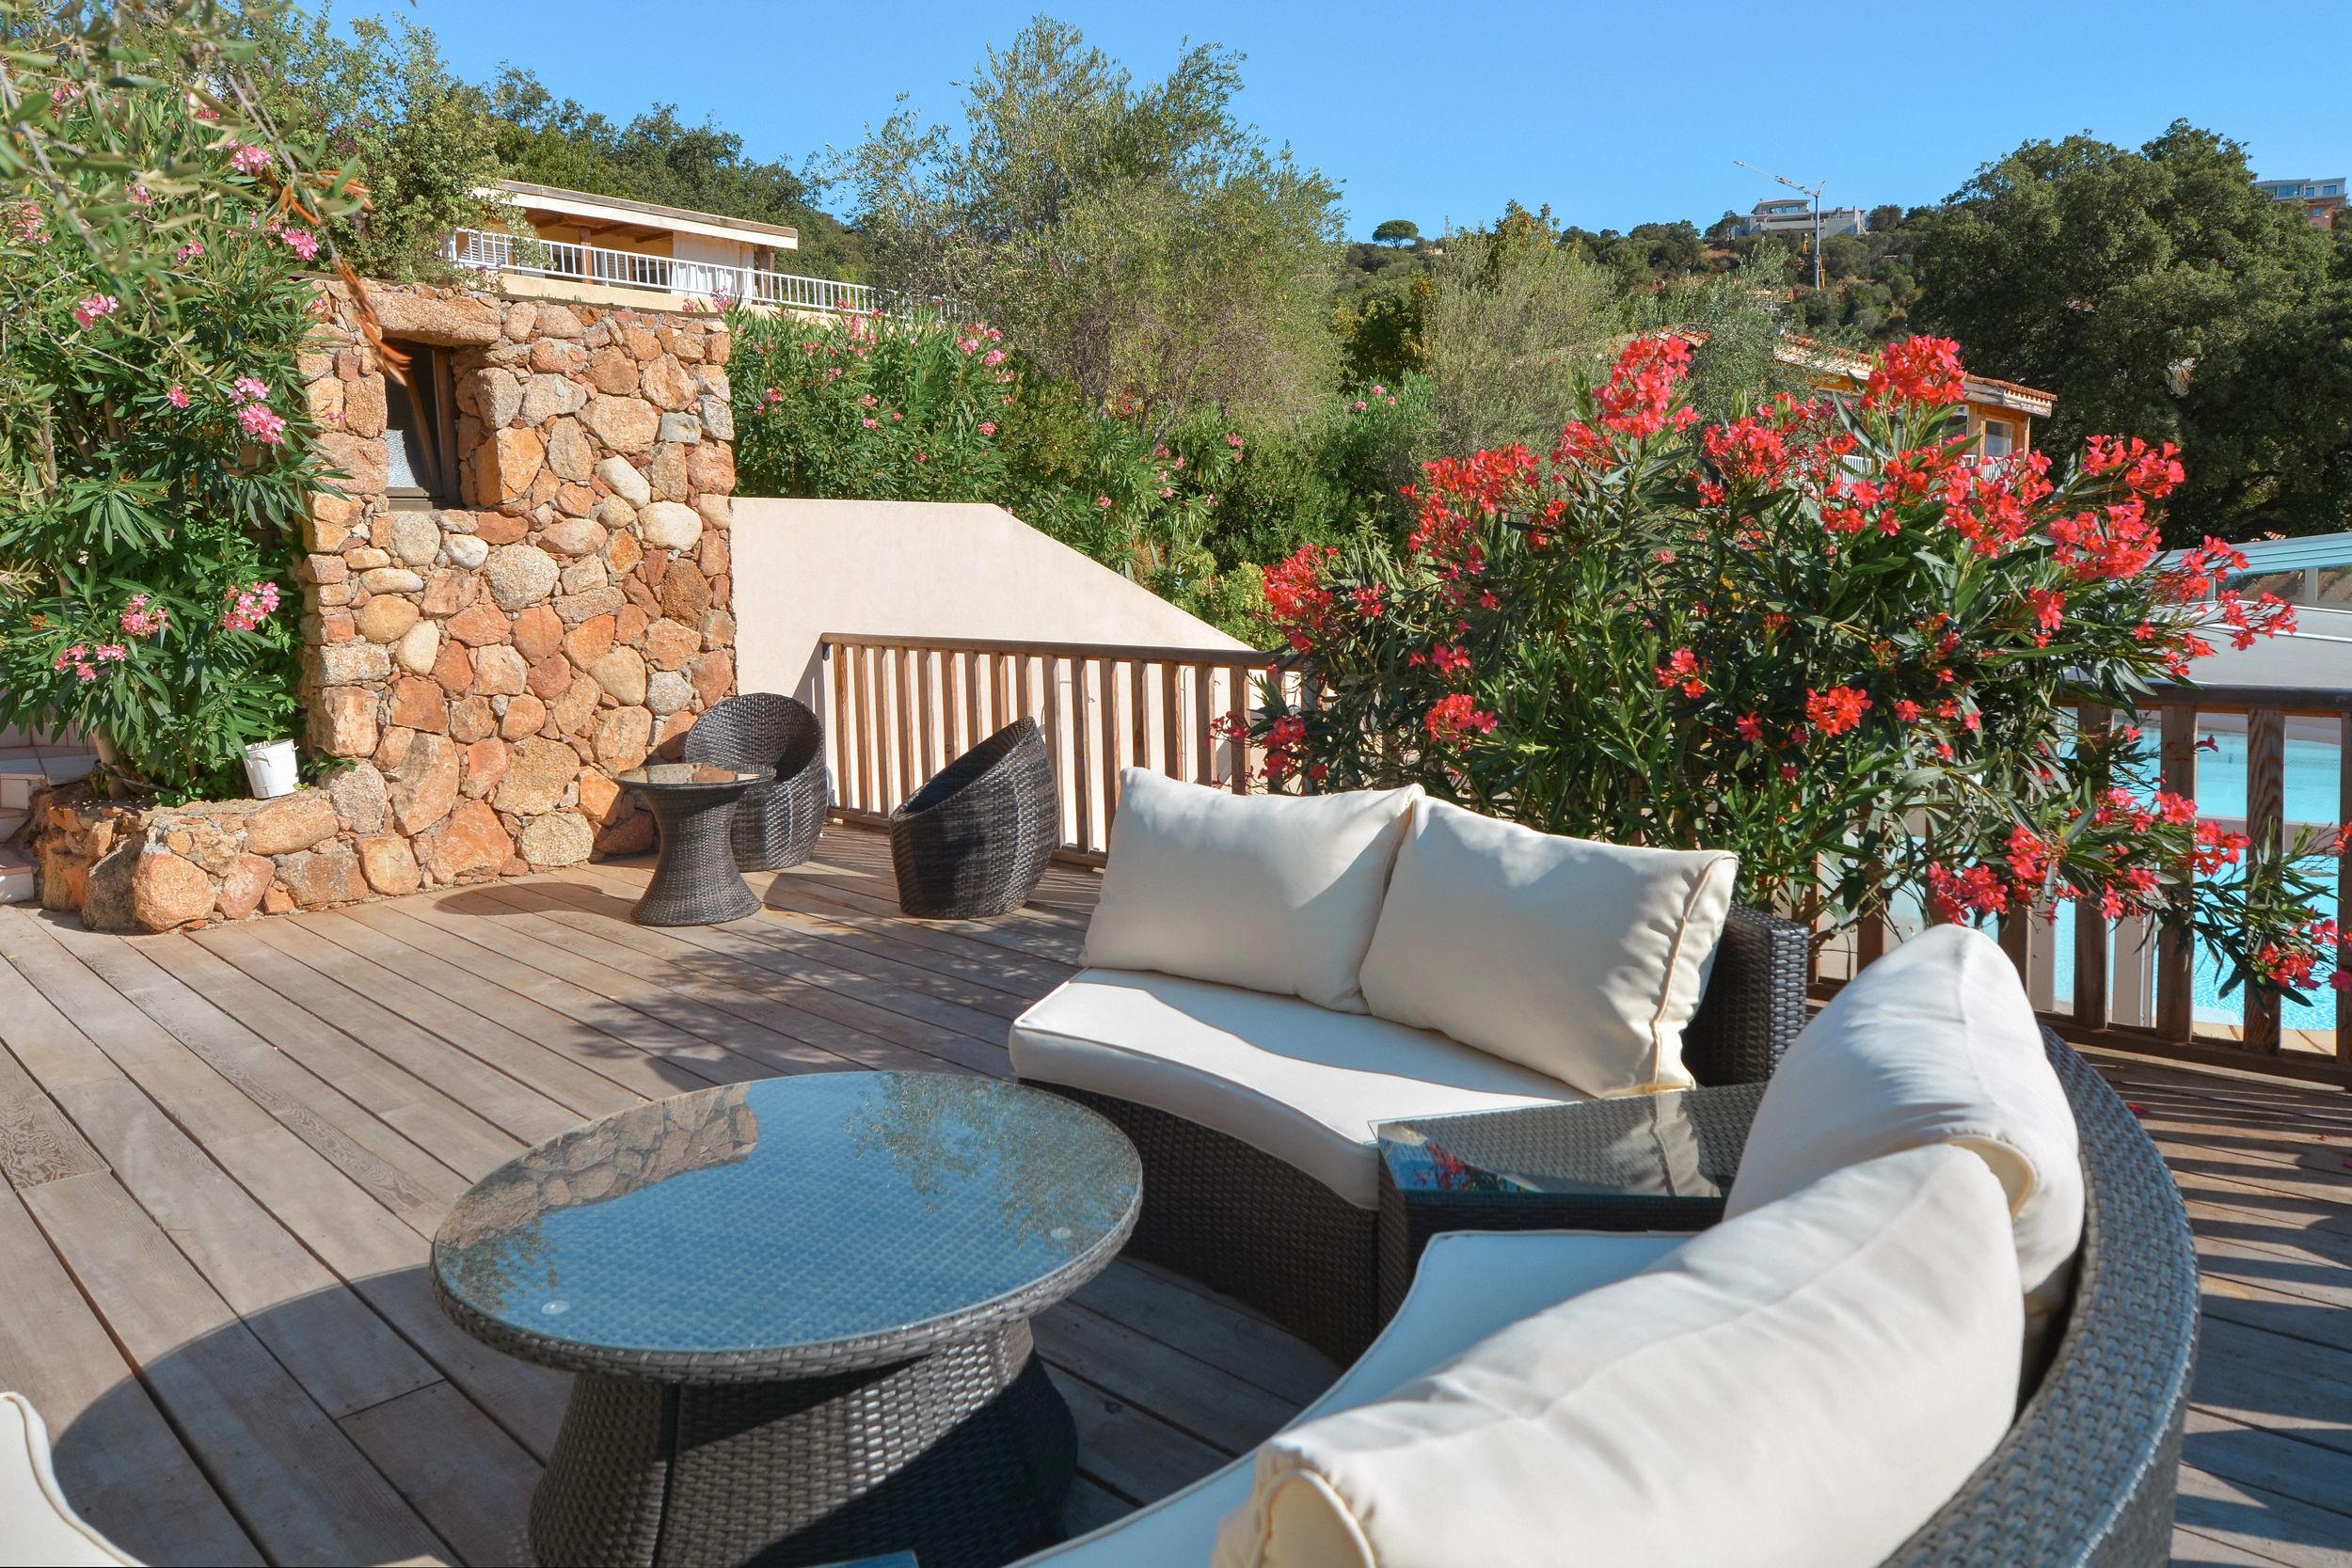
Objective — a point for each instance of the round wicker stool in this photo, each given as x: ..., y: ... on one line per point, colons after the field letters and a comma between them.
x: 974, y: 841
x: 798, y: 1313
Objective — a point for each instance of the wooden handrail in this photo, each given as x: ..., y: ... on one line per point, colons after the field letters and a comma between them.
x: 1127, y: 653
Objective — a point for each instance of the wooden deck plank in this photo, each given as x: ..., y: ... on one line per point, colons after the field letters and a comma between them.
x: 915, y: 943
x: 470, y: 1481
x: 302, y: 1490
x: 116, y: 1458
x: 680, y: 971
x: 622, y: 1065
x: 36, y: 1143
x: 323, y: 1023
x: 204, y: 1065
x: 656, y: 1038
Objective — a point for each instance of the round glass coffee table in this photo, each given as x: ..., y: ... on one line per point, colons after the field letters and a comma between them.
x: 798, y: 1310
x: 695, y: 881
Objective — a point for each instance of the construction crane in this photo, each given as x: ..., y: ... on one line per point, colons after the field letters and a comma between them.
x: 1813, y: 194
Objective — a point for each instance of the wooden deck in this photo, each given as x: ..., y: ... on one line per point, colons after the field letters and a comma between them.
x: 225, y: 1154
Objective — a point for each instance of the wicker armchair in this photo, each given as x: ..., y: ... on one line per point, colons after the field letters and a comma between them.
x: 775, y: 823
x: 1255, y: 1226
x: 974, y: 841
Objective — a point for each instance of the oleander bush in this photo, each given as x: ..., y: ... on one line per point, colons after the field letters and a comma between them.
x: 154, y: 452
x: 1827, y: 634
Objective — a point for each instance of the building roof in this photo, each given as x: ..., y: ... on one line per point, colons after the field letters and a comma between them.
x: 645, y: 218
x: 1807, y: 353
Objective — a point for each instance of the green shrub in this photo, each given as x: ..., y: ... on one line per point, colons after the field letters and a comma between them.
x: 155, y: 448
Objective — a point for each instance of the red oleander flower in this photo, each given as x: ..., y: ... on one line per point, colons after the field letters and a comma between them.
x: 1923, y: 370
x: 1452, y: 718
x: 1835, y: 711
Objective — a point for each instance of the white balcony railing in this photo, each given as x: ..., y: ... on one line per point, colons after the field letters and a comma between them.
x: 488, y: 251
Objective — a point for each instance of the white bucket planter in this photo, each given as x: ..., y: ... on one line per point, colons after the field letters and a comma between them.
x: 269, y: 768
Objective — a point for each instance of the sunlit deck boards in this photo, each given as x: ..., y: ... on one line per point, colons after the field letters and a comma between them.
x: 225, y: 1154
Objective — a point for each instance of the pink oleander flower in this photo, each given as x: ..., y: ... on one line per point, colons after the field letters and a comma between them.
x: 189, y: 251
x: 988, y: 427
x: 141, y: 618
x: 112, y: 653
x: 301, y: 242
x: 95, y: 306
x: 1103, y: 502
x: 246, y: 387
x: 250, y: 606
x: 993, y: 357
x: 261, y: 424
x: 870, y: 424
x: 1359, y: 406
x: 248, y: 160
x: 178, y: 396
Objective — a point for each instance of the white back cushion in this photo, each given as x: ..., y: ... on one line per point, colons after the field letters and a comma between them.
x: 1580, y: 959
x: 1801, y: 1388
x: 1270, y: 893
x: 1936, y: 1043
x: 37, y: 1525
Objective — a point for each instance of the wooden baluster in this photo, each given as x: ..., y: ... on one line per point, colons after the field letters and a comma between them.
x: 1108, y: 676
x: 970, y: 733
x: 903, y: 660
x: 2176, y: 981
x: 1141, y: 717
x: 2017, y: 933
x: 2090, y: 929
x: 2265, y: 807
x: 1203, y: 743
x: 1081, y: 753
x: 1869, y: 941
x: 1172, y: 723
x: 1239, y: 713
x: 1007, y: 669
x: 2343, y: 885
x: 928, y: 712
x: 1055, y: 750
x: 838, y: 729
x: 869, y: 725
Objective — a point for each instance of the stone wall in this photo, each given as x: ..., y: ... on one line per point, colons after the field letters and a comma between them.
x: 476, y: 673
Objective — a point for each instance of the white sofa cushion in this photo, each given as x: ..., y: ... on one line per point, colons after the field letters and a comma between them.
x: 1936, y: 1043
x: 1273, y: 893
x: 1582, y: 961
x: 1301, y: 1082
x: 1801, y: 1388
x: 1468, y: 1285
x: 37, y: 1525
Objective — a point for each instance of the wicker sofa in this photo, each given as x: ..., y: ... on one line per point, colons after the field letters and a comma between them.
x: 2083, y: 1474
x: 1254, y: 1112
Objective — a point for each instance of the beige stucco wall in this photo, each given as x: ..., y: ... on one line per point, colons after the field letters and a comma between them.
x: 923, y: 569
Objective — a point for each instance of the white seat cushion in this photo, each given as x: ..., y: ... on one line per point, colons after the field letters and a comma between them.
x: 1299, y: 1082
x: 1936, y: 1043
x: 37, y: 1525
x: 1273, y: 893
x: 1580, y: 959
x: 1801, y: 1388
x: 1468, y: 1285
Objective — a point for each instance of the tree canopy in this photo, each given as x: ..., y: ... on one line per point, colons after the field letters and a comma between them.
x: 1135, y: 236
x: 2158, y: 290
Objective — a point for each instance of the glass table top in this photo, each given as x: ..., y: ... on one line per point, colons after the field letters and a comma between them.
x: 1681, y: 1144
x: 690, y: 775
x: 789, y: 1213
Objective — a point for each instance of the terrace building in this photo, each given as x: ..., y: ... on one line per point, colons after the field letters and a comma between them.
x: 2322, y: 199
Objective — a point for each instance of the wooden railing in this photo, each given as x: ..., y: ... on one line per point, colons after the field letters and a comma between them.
x: 2129, y: 990
x: 897, y: 710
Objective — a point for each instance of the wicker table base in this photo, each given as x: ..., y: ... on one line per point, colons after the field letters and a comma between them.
x: 695, y: 881
x: 961, y: 1456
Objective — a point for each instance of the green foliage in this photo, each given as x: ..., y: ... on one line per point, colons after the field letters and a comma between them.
x: 149, y: 257
x: 658, y: 157
x: 1397, y: 231
x: 1757, y: 637
x: 1516, y: 324
x: 384, y: 100
x: 1136, y: 238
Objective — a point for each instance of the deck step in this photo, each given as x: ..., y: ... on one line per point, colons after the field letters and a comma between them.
x: 20, y: 879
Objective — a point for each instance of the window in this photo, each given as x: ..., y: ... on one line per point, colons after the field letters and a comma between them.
x: 420, y: 432
x: 2000, y: 438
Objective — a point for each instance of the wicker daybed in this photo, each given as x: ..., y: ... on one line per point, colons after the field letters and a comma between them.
x: 1257, y: 1227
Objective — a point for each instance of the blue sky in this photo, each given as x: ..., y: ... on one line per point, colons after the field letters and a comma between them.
x: 1614, y: 112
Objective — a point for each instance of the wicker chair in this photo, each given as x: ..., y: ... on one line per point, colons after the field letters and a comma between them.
x: 1253, y: 1225
x: 974, y: 841
x: 775, y: 823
